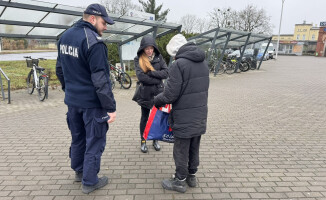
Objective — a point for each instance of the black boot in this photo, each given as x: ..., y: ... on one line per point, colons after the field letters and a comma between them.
x: 78, y: 176
x: 143, y: 146
x: 101, y: 183
x: 191, y: 180
x: 157, y: 147
x: 175, y: 184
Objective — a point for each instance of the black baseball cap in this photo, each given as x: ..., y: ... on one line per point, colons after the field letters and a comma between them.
x: 99, y: 10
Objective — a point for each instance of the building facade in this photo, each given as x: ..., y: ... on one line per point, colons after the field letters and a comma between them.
x: 302, y: 41
x: 321, y: 42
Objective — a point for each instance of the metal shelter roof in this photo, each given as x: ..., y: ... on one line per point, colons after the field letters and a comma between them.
x: 43, y: 20
x: 223, y: 38
x: 219, y: 36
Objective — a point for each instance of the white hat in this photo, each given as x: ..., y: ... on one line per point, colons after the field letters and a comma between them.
x: 175, y: 43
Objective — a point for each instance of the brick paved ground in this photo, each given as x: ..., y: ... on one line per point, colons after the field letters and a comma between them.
x: 266, y: 139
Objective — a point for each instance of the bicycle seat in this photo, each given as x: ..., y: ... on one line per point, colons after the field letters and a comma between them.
x: 40, y: 68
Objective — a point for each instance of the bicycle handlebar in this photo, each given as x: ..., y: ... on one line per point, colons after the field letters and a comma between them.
x: 29, y: 57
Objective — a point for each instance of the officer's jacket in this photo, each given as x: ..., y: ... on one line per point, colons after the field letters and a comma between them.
x: 83, y: 70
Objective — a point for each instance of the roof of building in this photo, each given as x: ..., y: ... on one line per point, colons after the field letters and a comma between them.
x: 303, y: 24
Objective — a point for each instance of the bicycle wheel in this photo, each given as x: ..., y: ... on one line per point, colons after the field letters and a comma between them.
x: 112, y: 80
x: 230, y: 68
x: 43, y: 87
x: 245, y: 66
x: 212, y: 69
x: 125, y: 80
x: 221, y: 70
x: 30, y: 82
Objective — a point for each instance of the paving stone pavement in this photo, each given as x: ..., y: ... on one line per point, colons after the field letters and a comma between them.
x: 266, y: 139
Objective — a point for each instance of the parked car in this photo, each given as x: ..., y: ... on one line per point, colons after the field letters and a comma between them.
x: 235, y: 53
x: 270, y: 50
x: 247, y: 53
x: 261, y: 53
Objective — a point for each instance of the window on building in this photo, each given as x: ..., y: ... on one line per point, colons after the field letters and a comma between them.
x: 313, y: 37
x: 303, y: 37
x: 298, y: 37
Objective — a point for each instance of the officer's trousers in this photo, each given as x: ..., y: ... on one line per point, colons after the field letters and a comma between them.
x: 186, y: 156
x: 88, y: 127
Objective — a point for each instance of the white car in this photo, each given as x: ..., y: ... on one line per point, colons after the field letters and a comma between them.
x: 235, y: 53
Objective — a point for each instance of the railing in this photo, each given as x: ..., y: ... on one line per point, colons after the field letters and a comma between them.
x: 2, y: 90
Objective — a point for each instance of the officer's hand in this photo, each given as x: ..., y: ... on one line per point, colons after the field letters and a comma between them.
x: 112, y: 117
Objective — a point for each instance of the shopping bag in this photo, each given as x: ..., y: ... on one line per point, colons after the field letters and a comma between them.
x: 157, y: 127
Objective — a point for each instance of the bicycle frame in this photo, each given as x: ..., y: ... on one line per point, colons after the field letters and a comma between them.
x: 35, y: 77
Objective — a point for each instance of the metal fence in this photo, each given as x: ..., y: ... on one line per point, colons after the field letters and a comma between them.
x: 2, y: 89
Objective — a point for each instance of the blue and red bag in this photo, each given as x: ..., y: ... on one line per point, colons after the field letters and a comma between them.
x: 157, y: 127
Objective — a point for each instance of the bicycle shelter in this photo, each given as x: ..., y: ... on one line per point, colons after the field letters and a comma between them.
x: 43, y: 20
x: 223, y: 38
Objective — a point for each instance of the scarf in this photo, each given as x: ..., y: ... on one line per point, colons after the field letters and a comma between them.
x: 145, y: 62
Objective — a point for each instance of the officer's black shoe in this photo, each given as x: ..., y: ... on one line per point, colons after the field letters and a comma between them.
x: 78, y: 176
x: 101, y: 183
x: 143, y: 146
x: 191, y: 180
x: 175, y: 184
x: 156, y: 145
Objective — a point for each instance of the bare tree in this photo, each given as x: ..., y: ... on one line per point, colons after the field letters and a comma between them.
x: 120, y: 7
x: 202, y: 25
x: 220, y: 17
x: 249, y: 19
x: 188, y: 23
x: 255, y: 20
x: 235, y: 21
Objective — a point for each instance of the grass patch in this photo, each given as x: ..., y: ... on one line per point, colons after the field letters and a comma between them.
x: 26, y: 51
x: 17, y: 72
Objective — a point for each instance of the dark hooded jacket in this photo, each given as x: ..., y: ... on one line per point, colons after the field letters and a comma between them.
x: 187, y: 90
x: 151, y: 82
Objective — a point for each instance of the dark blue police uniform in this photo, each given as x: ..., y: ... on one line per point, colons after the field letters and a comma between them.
x: 83, y: 71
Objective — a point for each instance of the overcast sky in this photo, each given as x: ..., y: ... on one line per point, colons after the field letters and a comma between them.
x: 294, y: 11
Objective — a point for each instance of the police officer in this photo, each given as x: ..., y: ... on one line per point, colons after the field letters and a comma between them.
x: 82, y: 68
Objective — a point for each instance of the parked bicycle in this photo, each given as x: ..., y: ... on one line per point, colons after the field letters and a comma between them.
x: 36, y: 78
x: 116, y: 74
x: 244, y: 65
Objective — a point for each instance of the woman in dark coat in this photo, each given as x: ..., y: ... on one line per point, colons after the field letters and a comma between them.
x: 187, y: 91
x: 150, y: 69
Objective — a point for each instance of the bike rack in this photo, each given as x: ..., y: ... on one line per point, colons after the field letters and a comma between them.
x: 2, y: 90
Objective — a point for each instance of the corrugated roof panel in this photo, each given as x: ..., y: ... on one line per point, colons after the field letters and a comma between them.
x: 46, y: 31
x: 17, y: 14
x: 55, y: 18
x: 13, y: 29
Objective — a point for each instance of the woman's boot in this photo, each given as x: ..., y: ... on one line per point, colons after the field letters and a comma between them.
x: 157, y: 147
x: 143, y: 146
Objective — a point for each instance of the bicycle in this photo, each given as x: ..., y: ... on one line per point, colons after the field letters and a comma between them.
x: 36, y: 78
x: 116, y: 74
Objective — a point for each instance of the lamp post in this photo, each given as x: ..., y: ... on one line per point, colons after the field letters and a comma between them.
x: 279, y: 31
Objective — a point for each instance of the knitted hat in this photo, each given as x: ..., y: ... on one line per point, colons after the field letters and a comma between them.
x: 175, y: 43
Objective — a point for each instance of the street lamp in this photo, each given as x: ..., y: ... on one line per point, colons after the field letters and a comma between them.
x: 279, y: 31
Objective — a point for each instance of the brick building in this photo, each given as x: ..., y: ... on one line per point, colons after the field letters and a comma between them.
x: 321, y: 42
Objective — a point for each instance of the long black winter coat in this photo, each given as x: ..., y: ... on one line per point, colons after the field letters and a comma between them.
x: 152, y: 83
x: 187, y: 90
